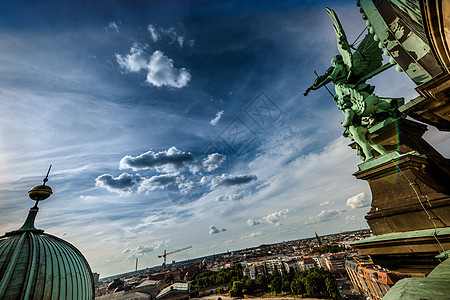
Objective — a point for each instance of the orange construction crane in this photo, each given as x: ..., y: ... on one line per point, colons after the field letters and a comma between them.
x: 168, y: 253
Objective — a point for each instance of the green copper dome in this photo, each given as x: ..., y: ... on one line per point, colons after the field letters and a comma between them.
x: 37, y: 265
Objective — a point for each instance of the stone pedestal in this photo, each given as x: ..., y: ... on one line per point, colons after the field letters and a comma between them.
x: 410, y: 209
x: 412, y: 177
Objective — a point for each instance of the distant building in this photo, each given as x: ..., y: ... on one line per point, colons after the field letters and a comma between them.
x: 250, y: 271
x: 177, y: 291
x: 273, y: 265
x: 335, y: 262
x: 368, y: 280
x: 306, y: 263
x: 320, y: 261
x: 96, y: 277
x: 156, y: 276
x: 292, y: 266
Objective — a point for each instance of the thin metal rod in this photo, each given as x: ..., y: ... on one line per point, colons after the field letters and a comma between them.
x: 324, y: 85
x: 46, y: 176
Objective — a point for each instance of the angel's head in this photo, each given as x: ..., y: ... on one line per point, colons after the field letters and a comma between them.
x: 337, y: 60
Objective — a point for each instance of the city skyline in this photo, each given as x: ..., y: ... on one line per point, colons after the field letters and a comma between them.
x: 174, y: 124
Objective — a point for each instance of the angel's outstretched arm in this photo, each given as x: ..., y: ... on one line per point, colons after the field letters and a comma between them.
x: 320, y: 81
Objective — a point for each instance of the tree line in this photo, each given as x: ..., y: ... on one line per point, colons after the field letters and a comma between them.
x: 310, y: 283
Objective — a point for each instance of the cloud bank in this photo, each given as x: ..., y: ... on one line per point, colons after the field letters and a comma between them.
x: 171, y: 160
x: 156, y: 182
x: 272, y: 218
x: 252, y: 235
x: 230, y: 180
x: 358, y: 201
x: 122, y: 184
x: 323, y: 216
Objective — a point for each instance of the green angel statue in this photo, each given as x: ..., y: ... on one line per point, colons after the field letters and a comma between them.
x: 355, y: 98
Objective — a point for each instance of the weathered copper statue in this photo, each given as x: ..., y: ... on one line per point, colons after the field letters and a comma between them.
x: 348, y: 73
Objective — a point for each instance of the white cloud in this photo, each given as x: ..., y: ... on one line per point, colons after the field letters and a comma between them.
x: 233, y: 197
x: 252, y: 235
x: 162, y: 72
x: 170, y: 160
x: 159, y: 67
x: 135, y: 61
x: 143, y: 250
x: 88, y: 198
x: 216, y: 118
x: 180, y: 40
x: 323, y: 216
x: 325, y: 203
x: 172, y: 34
x: 273, y: 218
x: 122, y: 184
x: 213, y: 230
x: 358, y: 201
x: 153, y: 33
x: 156, y: 182
x: 157, y: 33
x: 113, y: 26
x: 252, y: 222
x: 213, y: 161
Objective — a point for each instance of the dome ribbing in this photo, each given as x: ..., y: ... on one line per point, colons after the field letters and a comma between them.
x: 37, y: 265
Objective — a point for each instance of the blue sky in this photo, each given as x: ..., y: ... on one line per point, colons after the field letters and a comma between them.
x: 177, y: 123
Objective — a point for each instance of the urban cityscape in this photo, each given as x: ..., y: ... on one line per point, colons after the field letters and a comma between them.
x: 225, y: 150
x: 286, y: 258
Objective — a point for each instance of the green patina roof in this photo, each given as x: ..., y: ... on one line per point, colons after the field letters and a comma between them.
x: 178, y: 287
x: 404, y: 235
x: 36, y: 265
x: 435, y: 286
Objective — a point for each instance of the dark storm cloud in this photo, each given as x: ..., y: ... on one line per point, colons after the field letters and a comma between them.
x: 124, y: 183
x: 167, y: 161
x: 229, y: 180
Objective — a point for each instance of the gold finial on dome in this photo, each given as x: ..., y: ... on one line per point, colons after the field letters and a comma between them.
x: 41, y: 192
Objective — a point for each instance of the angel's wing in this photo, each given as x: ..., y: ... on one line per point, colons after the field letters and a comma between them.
x: 342, y: 43
x: 367, y: 57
